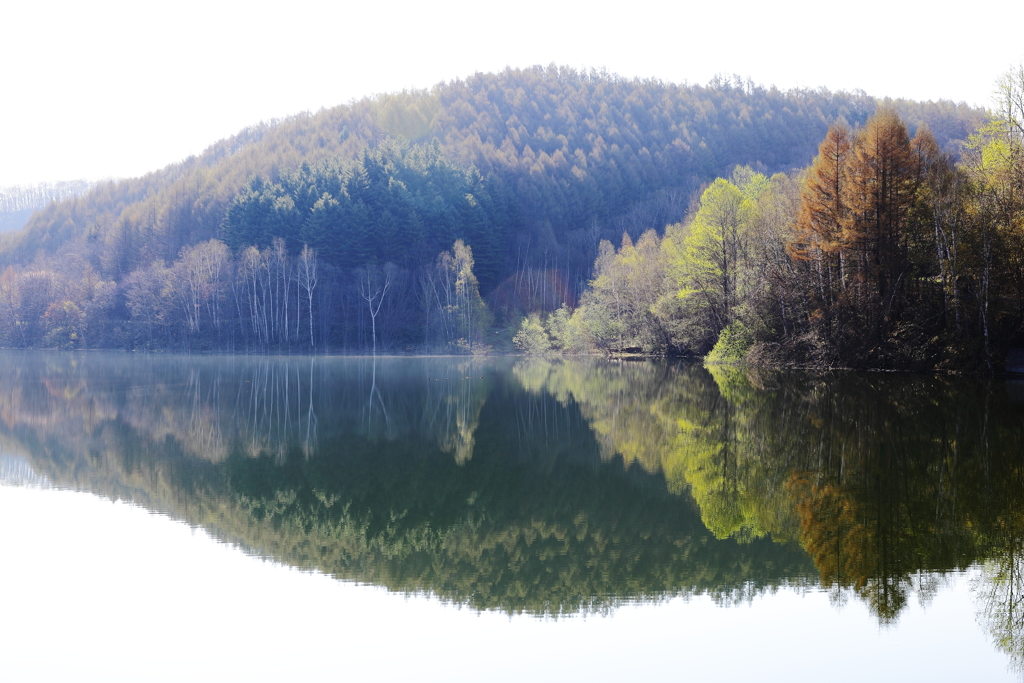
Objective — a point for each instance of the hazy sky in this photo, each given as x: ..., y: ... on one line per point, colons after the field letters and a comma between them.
x: 116, y: 89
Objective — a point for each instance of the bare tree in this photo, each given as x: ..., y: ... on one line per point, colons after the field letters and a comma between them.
x: 307, y: 275
x: 374, y: 283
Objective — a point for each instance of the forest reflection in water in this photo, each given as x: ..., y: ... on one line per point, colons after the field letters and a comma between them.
x: 551, y: 486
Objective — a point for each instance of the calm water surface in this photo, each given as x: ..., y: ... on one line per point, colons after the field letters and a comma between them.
x: 238, y: 518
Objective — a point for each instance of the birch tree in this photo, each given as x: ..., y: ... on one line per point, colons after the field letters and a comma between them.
x: 374, y: 282
x: 307, y: 277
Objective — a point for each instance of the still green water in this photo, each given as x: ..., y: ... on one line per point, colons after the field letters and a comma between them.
x: 626, y: 494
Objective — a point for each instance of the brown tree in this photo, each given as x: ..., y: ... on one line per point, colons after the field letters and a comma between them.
x: 881, y: 188
x: 822, y: 225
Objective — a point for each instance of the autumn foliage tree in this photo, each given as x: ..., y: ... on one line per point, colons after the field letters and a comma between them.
x: 880, y: 221
x: 881, y: 190
x: 818, y: 240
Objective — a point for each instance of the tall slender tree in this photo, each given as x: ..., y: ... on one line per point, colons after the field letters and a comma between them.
x: 822, y: 222
x: 881, y: 188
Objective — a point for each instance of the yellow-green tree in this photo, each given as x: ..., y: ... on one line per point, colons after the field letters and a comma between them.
x: 709, y: 261
x: 995, y: 165
x: 618, y: 309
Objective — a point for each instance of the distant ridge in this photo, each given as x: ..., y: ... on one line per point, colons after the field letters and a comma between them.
x: 19, y: 201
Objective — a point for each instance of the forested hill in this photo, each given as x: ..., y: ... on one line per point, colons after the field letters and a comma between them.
x: 571, y: 147
x: 529, y: 167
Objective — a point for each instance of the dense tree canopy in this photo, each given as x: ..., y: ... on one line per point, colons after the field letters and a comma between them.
x: 530, y: 168
x: 886, y: 252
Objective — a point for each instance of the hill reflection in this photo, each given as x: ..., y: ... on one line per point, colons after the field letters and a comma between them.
x: 550, y: 487
x: 443, y: 476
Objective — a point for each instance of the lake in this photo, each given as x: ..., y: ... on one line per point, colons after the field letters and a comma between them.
x: 455, y: 519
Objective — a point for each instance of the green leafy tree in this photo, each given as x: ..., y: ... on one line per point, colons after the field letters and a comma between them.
x: 709, y: 260
x: 532, y: 338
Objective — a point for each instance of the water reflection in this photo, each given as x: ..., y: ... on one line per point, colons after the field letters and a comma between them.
x: 1000, y: 591
x: 552, y: 486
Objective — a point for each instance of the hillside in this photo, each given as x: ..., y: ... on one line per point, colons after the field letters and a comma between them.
x: 531, y: 168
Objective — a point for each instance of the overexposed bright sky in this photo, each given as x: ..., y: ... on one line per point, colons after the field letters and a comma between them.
x: 116, y: 89
x: 102, y: 591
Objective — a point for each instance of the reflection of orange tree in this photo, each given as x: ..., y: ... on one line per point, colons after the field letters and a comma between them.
x: 894, y: 481
x: 872, y: 533
x: 887, y: 483
x: 834, y: 530
x: 897, y: 493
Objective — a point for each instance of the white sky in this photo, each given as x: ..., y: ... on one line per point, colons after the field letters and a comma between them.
x: 101, y: 591
x: 116, y: 89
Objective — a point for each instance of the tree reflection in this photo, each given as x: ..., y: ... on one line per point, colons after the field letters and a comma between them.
x: 551, y: 485
x: 471, y: 487
x: 999, y: 591
x: 881, y: 480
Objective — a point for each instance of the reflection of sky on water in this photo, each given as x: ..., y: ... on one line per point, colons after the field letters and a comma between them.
x: 107, y: 591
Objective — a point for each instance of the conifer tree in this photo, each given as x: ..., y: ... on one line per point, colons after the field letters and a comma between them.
x: 821, y: 223
x: 881, y: 188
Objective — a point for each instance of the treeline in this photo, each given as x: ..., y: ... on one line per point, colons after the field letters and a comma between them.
x: 17, y: 203
x: 885, y: 252
x: 256, y: 300
x: 335, y: 254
